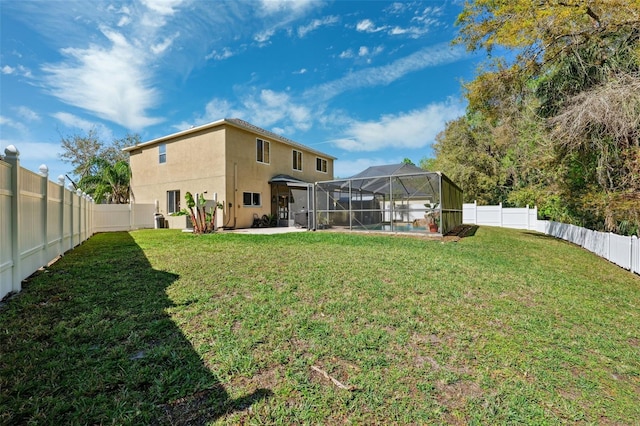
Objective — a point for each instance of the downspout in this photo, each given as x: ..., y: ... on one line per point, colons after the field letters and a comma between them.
x: 232, y: 205
x: 235, y: 192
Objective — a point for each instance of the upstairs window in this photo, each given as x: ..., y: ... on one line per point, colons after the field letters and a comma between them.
x: 162, y: 158
x: 262, y: 151
x: 321, y: 165
x: 162, y: 149
x: 297, y: 160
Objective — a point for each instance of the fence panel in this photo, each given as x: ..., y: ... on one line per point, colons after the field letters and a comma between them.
x: 32, y: 240
x: 510, y: 217
x: 469, y: 213
x: 489, y: 215
x: 620, y: 250
x: 143, y: 215
x: 516, y: 218
x: 122, y: 217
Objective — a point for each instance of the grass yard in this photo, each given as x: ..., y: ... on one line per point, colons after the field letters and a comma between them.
x: 162, y: 327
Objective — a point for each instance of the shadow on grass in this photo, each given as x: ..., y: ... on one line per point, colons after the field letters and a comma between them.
x: 88, y: 341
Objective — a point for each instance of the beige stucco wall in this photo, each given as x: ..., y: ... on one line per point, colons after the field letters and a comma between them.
x: 222, y: 160
x: 253, y: 176
x: 195, y: 163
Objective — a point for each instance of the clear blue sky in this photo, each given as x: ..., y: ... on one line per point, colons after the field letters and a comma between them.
x: 369, y: 82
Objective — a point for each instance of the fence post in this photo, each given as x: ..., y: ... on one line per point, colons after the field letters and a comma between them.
x: 132, y: 216
x: 635, y: 255
x: 44, y: 172
x: 500, y: 205
x: 61, y: 217
x: 71, y: 189
x: 475, y: 212
x: 12, y: 156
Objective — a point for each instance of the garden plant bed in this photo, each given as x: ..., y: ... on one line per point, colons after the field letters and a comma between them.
x: 162, y: 327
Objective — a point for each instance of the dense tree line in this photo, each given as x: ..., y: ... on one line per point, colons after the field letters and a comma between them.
x: 553, y: 119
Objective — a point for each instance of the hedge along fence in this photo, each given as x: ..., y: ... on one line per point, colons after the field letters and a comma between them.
x: 41, y: 220
x: 618, y: 249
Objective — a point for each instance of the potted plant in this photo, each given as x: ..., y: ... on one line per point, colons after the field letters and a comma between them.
x: 433, y: 217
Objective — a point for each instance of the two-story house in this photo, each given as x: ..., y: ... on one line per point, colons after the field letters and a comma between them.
x: 252, y: 171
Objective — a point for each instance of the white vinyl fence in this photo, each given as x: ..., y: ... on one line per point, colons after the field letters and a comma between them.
x: 621, y: 250
x: 41, y: 220
x: 122, y: 217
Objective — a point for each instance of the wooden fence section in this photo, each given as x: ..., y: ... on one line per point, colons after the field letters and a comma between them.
x: 621, y: 250
x: 41, y: 220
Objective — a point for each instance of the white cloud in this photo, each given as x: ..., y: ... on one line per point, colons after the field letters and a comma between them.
x: 264, y: 36
x: 19, y: 70
x: 162, y: 7
x: 74, y: 122
x: 367, y: 26
x: 270, y: 7
x: 301, y: 71
x: 164, y: 45
x: 315, y: 24
x: 265, y: 108
x: 346, y: 54
x: 124, y: 21
x: 27, y: 113
x: 6, y: 121
x: 363, y: 51
x: 397, y: 8
x: 112, y: 82
x: 226, y: 53
x: 415, y: 129
x: 427, y: 57
x: 424, y: 19
x: 279, y: 14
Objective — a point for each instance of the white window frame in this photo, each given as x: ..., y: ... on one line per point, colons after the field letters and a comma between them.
x: 297, y: 160
x: 322, y: 162
x: 256, y: 199
x: 162, y: 153
x: 262, y: 147
x: 173, y: 195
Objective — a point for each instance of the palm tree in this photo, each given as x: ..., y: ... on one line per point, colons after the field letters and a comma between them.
x: 109, y: 183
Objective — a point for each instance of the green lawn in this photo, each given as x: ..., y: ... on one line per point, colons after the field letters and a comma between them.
x: 162, y: 327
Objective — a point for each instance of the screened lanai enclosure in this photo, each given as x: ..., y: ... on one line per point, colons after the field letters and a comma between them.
x: 395, y: 198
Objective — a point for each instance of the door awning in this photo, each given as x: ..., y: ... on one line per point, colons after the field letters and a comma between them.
x: 288, y: 180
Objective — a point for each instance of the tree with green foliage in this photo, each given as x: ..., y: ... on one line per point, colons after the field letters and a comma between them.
x: 102, y: 168
x: 82, y: 150
x: 108, y: 183
x: 557, y: 124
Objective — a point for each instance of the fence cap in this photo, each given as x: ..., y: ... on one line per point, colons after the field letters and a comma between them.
x: 11, y: 151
